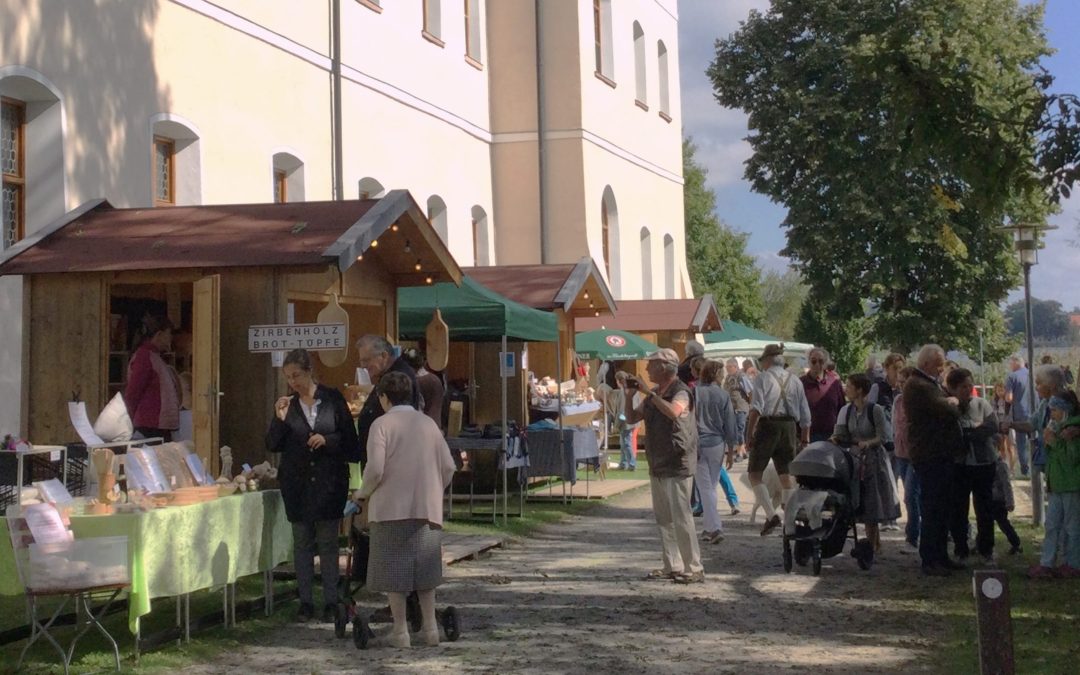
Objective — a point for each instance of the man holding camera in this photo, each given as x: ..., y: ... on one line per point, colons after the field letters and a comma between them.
x: 671, y: 449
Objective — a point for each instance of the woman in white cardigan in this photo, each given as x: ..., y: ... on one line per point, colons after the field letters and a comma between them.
x: 409, y: 466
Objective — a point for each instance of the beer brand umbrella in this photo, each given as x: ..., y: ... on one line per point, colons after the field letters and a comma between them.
x: 612, y: 345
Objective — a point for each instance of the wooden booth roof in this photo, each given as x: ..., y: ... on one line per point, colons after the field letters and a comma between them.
x: 578, y: 289
x: 99, y: 238
x: 696, y: 315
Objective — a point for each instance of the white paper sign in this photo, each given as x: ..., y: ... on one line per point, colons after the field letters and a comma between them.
x: 197, y: 469
x: 506, y: 364
x: 311, y: 336
x: 83, y: 427
x: 150, y: 475
x: 45, y: 524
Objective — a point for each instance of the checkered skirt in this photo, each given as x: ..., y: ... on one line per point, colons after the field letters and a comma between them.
x: 406, y: 555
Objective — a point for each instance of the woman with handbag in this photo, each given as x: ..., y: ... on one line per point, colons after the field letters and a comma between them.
x: 975, y: 468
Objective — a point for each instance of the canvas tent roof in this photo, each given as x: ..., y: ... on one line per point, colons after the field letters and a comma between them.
x: 473, y: 312
x: 741, y: 340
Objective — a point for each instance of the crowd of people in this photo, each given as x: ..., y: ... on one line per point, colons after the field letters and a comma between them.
x: 929, y: 447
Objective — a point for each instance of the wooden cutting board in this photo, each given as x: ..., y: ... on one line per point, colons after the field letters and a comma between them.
x: 438, y: 342
x: 334, y: 313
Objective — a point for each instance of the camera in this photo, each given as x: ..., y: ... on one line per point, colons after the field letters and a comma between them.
x: 633, y: 383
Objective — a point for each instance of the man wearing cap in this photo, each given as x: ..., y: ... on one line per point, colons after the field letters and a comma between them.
x: 671, y: 449
x: 686, y: 373
x: 779, y: 421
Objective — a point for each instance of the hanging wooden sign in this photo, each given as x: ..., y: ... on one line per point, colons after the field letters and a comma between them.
x: 438, y: 342
x: 334, y: 313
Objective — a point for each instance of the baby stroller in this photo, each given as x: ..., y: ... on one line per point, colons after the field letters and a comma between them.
x: 355, y: 577
x: 824, y: 508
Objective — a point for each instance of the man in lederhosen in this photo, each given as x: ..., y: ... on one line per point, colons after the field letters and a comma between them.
x: 778, y: 426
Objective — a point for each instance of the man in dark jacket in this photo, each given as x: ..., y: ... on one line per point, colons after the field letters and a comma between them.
x: 377, y: 357
x: 934, y: 442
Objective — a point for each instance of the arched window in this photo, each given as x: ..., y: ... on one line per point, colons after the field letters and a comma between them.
x: 176, y: 163
x: 31, y: 153
x: 481, y: 236
x: 602, y: 37
x: 288, y: 178
x: 472, y: 30
x: 639, y: 65
x: 646, y: 264
x: 669, y: 266
x: 371, y: 188
x: 436, y: 213
x: 433, y: 19
x: 609, y: 239
x: 662, y: 77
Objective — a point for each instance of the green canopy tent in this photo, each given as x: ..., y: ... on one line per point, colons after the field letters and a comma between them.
x: 741, y: 340
x: 612, y: 345
x: 475, y: 313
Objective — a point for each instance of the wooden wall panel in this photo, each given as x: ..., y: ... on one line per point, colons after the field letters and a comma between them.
x: 66, y: 339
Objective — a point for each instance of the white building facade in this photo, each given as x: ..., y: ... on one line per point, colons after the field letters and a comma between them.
x: 159, y: 102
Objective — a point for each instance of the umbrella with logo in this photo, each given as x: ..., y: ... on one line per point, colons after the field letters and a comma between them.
x: 612, y: 345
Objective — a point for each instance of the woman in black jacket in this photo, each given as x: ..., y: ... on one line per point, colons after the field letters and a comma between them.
x: 314, y: 432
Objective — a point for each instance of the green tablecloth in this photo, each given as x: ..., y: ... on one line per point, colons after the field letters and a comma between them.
x: 182, y: 549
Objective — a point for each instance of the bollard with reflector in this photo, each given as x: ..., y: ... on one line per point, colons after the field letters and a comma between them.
x: 994, y: 621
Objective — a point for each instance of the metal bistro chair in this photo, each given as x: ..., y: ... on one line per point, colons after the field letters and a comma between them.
x: 82, y: 570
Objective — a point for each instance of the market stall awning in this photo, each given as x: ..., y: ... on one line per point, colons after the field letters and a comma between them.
x: 733, y: 330
x: 578, y: 289
x: 473, y: 313
x: 96, y: 237
x: 696, y: 315
x: 741, y: 340
x: 612, y: 345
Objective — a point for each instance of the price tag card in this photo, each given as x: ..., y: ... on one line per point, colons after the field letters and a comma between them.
x: 45, y: 524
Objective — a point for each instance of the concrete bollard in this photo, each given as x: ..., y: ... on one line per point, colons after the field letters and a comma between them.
x: 994, y: 622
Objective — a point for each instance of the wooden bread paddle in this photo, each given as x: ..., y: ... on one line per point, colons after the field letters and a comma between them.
x: 334, y: 313
x: 438, y: 342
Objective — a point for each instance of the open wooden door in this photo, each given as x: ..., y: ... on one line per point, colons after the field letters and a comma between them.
x: 205, y: 381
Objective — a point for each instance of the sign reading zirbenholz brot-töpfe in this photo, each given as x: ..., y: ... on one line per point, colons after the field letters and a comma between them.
x: 311, y: 336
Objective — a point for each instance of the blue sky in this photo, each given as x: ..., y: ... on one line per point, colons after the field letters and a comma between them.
x: 718, y: 132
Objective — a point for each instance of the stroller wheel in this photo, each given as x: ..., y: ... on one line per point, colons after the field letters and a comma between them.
x: 412, y: 613
x: 341, y: 619
x: 788, y: 560
x: 361, y: 633
x: 817, y: 559
x: 450, y: 624
x: 803, y: 551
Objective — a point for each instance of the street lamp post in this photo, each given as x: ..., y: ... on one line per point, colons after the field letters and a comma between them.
x: 1026, y: 240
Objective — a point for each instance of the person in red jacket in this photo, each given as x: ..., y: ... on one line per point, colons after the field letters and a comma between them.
x: 824, y: 394
x: 153, y: 393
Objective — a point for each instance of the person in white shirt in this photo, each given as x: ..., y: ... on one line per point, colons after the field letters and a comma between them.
x: 778, y: 425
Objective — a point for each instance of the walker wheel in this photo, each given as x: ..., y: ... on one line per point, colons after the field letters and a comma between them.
x: 788, y: 560
x: 361, y: 633
x: 817, y: 559
x: 450, y: 624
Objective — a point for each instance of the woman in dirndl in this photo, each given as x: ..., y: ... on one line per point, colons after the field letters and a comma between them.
x: 409, y: 466
x: 863, y: 427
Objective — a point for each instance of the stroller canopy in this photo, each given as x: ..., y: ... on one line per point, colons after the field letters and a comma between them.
x: 825, y: 460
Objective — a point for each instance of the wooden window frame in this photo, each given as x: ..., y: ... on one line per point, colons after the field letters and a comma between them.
x: 373, y: 5
x: 18, y: 179
x: 281, y: 184
x: 605, y: 238
x: 476, y: 242
x: 598, y: 37
x: 425, y: 30
x: 165, y: 140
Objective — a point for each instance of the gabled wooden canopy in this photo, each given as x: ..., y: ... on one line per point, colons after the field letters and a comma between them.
x: 578, y: 289
x: 695, y: 315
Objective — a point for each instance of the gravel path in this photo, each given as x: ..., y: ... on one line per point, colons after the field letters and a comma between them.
x: 572, y: 600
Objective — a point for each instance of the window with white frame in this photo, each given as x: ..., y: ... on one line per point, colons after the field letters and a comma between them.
x: 288, y: 178
x: 433, y: 19
x: 481, y: 234
x: 662, y: 77
x: 176, y: 163
x: 13, y: 166
x: 646, y: 264
x: 604, y: 51
x: 609, y: 239
x: 640, y: 90
x: 436, y: 213
x: 669, y: 266
x: 472, y: 30
x: 371, y: 188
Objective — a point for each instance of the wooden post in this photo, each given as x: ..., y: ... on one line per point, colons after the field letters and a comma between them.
x: 994, y: 622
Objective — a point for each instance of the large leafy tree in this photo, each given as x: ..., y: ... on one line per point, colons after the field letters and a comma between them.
x: 784, y: 294
x: 716, y: 255
x: 1049, y: 322
x: 845, y: 339
x: 899, y: 134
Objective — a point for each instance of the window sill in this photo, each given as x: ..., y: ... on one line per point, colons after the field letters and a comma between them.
x: 605, y: 79
x: 666, y: 117
x: 432, y: 39
x: 371, y: 5
x: 641, y: 104
x: 158, y: 204
x: 473, y: 62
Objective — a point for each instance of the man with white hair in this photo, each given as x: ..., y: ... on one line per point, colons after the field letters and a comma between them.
x: 778, y: 425
x: 671, y: 446
x: 1017, y: 389
x: 934, y: 444
x: 693, y: 348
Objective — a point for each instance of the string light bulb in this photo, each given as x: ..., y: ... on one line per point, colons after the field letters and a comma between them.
x: 359, y: 257
x: 375, y: 244
x: 418, y: 266
x: 596, y: 313
x: 408, y: 246
x: 394, y: 227
x: 429, y: 280
x: 586, y: 295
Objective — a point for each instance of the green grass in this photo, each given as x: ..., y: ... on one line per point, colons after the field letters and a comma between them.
x: 1045, y: 614
x: 94, y: 654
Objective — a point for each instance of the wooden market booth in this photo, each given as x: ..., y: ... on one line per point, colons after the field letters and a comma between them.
x: 572, y: 292
x: 665, y: 323
x: 214, y: 270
